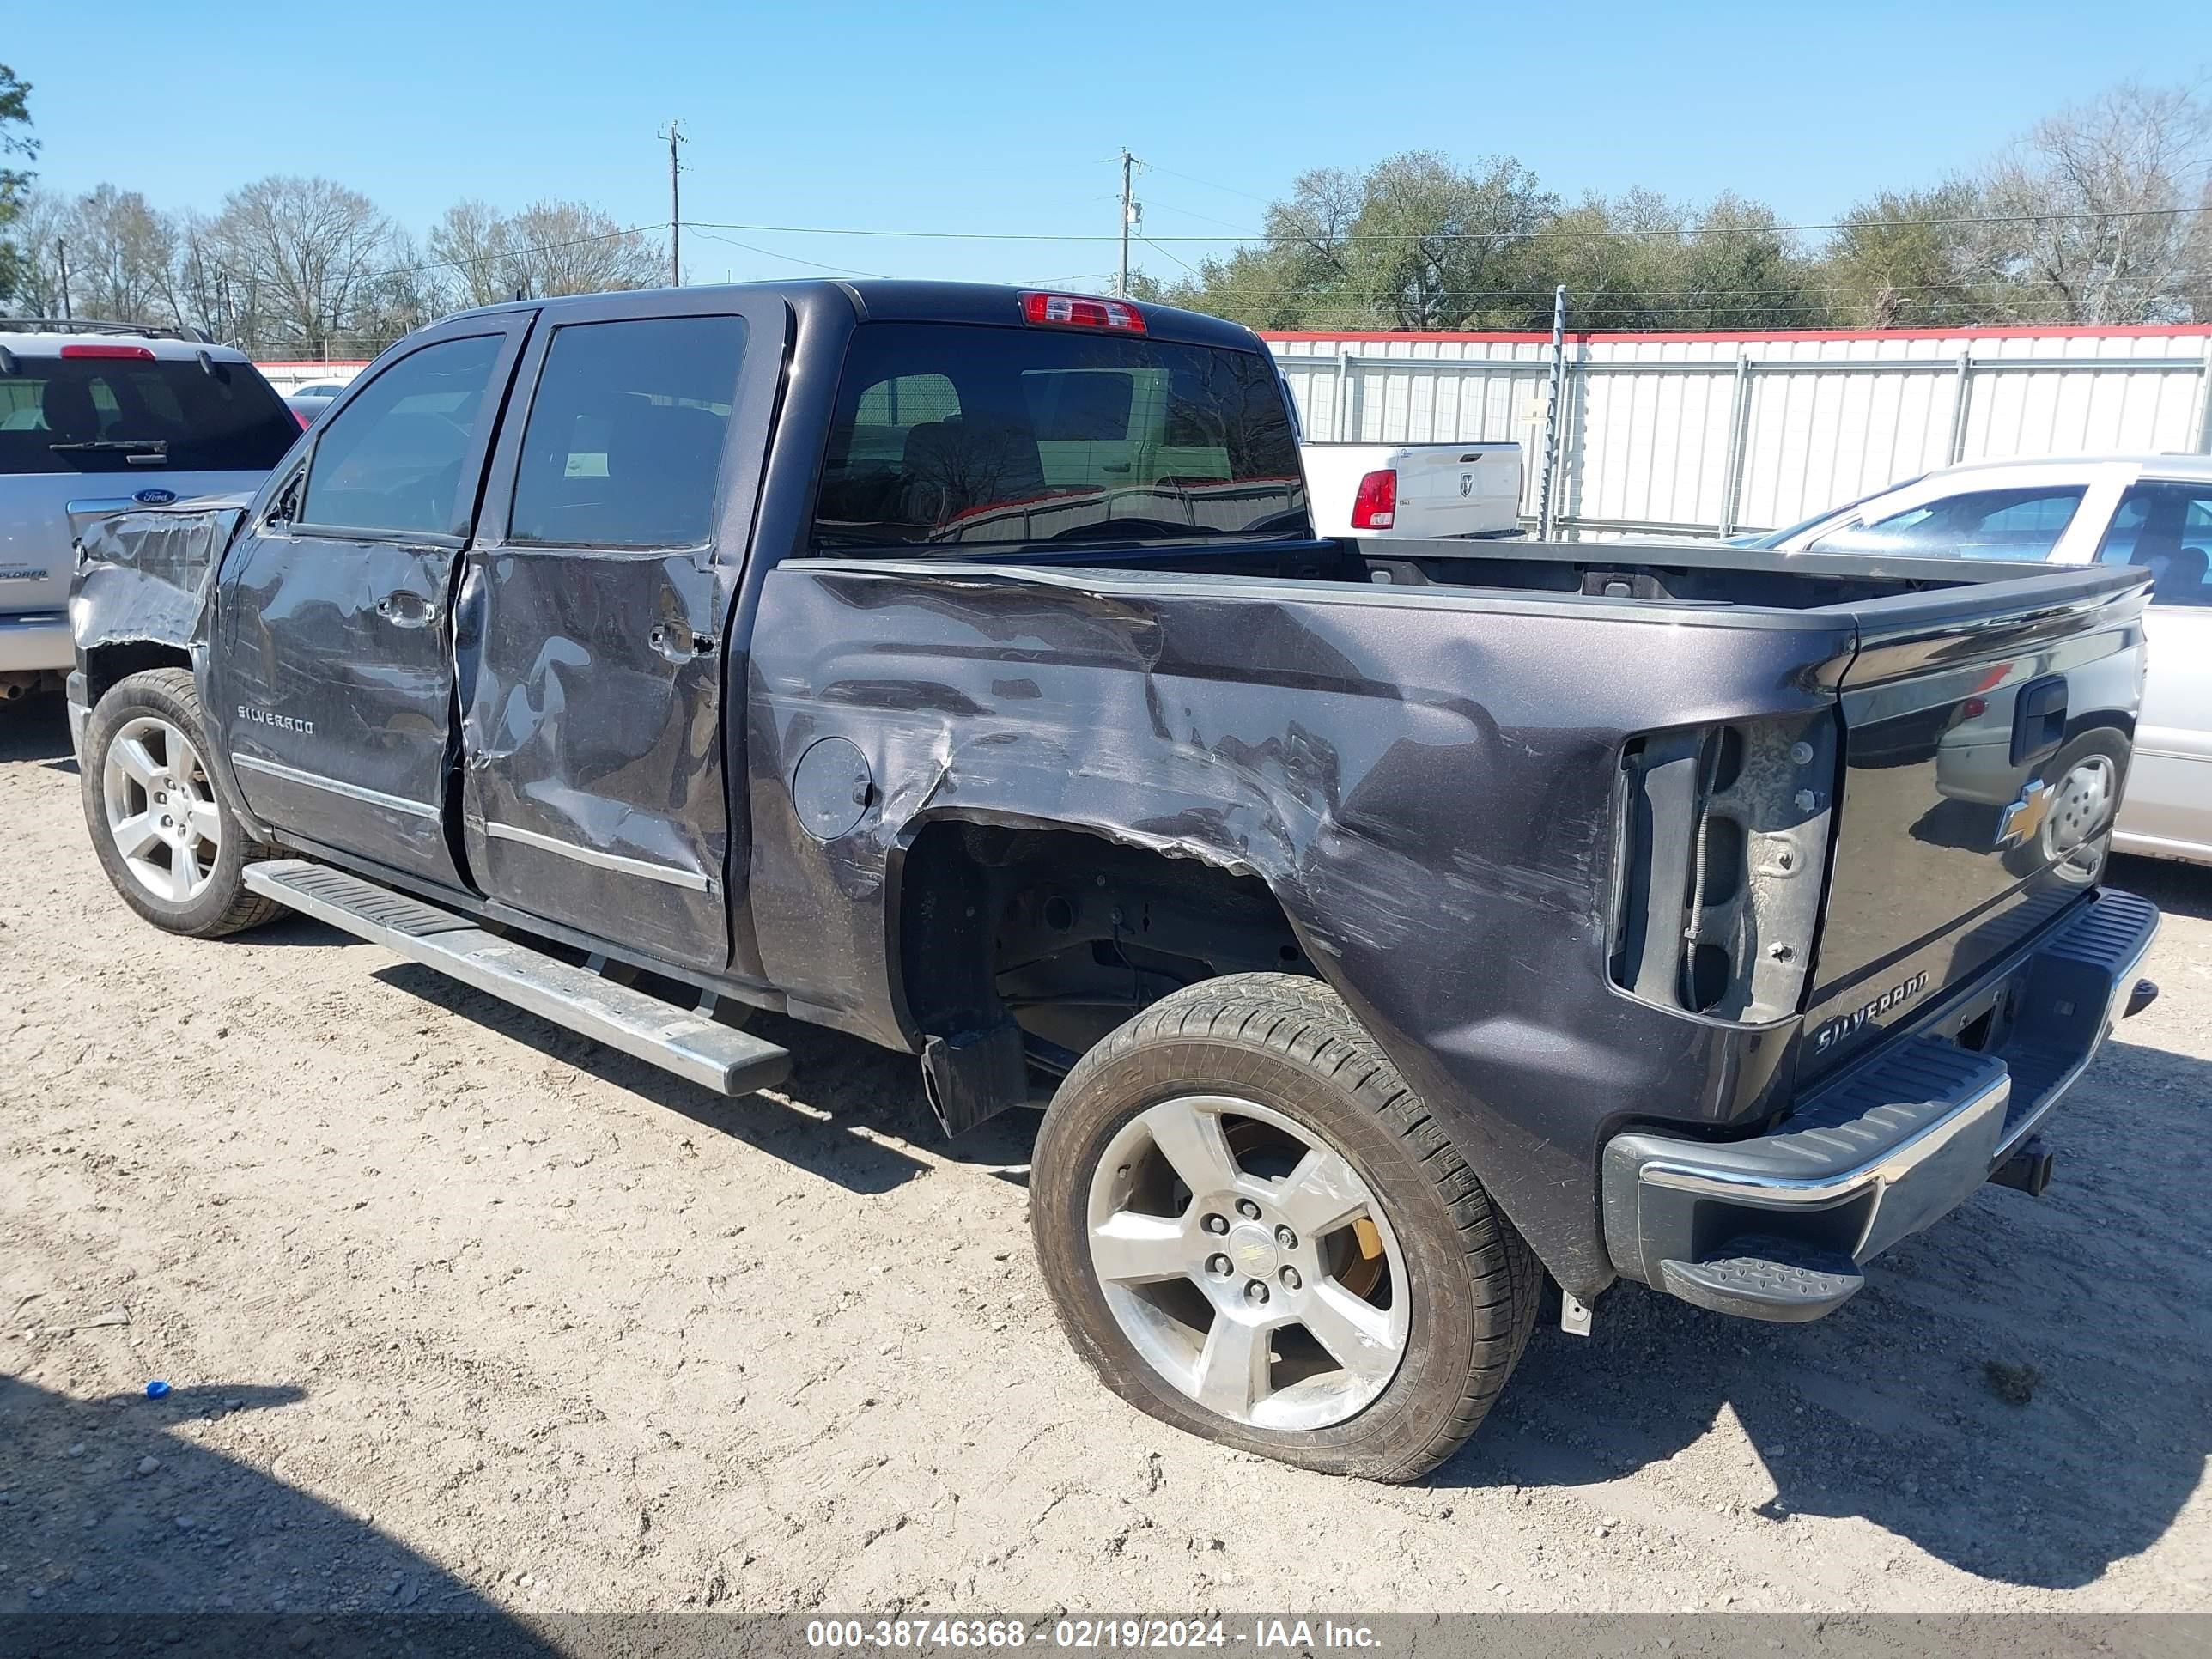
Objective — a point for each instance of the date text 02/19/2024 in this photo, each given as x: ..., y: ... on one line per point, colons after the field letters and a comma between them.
x: 1121, y: 1634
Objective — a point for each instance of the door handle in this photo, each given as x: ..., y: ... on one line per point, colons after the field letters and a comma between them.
x: 405, y: 609
x: 677, y: 642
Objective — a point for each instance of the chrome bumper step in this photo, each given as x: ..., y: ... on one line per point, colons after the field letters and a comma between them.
x: 679, y: 1040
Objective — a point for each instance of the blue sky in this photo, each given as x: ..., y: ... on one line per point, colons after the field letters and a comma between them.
x: 976, y: 116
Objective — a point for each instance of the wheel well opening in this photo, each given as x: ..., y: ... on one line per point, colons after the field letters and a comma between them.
x: 1069, y: 934
x: 106, y: 665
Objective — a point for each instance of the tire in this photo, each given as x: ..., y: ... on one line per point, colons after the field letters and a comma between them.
x: 188, y: 878
x: 2074, y: 837
x: 1278, y: 1065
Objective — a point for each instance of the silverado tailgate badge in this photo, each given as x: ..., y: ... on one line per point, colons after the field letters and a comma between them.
x: 1845, y: 1025
x: 2025, y: 816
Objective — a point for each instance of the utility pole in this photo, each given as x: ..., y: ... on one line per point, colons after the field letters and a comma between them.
x: 1131, y: 212
x: 61, y: 256
x: 675, y: 136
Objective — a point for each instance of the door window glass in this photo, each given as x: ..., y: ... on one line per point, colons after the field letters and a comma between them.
x: 392, y: 459
x: 624, y: 445
x: 2167, y: 528
x: 1982, y: 524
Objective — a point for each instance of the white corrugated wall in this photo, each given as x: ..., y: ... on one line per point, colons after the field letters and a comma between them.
x: 1721, y: 432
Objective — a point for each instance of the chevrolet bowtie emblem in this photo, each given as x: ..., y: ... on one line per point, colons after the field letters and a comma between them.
x: 2025, y: 816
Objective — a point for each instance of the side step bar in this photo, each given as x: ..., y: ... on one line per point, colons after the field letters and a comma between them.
x: 716, y: 1056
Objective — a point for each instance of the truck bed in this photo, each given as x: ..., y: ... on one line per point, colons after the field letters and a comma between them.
x: 1650, y: 574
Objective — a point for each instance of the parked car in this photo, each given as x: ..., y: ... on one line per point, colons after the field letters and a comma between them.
x: 1413, y: 491
x: 96, y: 418
x: 308, y: 403
x: 1389, y: 926
x: 2152, y: 511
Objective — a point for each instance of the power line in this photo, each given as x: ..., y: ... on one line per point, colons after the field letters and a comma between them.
x: 1679, y: 232
x: 789, y: 259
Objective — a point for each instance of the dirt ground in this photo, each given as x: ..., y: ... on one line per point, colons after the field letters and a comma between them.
x: 460, y: 1311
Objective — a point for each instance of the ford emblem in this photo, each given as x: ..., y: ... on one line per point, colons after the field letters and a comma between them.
x: 154, y: 497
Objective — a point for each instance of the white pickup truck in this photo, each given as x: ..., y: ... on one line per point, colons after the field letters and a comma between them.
x: 97, y: 418
x: 1414, y: 491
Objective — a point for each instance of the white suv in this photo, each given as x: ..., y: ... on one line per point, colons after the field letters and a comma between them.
x: 98, y: 418
x: 2149, y: 510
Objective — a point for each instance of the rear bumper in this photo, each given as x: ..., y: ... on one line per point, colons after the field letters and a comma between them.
x: 38, y: 643
x: 1777, y: 1226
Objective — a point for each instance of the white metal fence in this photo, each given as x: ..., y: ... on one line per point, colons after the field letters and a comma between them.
x: 1713, y: 433
x: 289, y: 377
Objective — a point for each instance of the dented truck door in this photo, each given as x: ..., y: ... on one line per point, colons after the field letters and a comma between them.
x: 593, y: 607
x: 335, y: 684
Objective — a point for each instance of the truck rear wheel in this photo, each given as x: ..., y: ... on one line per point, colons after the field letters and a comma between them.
x: 167, y: 840
x: 1254, y: 1230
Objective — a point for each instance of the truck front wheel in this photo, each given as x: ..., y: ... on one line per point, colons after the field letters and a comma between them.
x: 162, y: 831
x: 1255, y: 1230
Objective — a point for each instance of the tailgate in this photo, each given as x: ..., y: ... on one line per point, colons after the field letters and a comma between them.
x: 34, y: 540
x: 44, y: 514
x: 1458, y: 490
x: 1986, y: 738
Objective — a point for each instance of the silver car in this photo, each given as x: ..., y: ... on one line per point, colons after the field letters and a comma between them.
x: 2155, y: 510
x: 98, y: 418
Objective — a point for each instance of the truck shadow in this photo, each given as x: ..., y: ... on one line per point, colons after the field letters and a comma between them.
x: 2178, y: 889
x: 36, y: 729
x: 846, y: 1102
x: 2024, y: 1391
x: 118, y: 1509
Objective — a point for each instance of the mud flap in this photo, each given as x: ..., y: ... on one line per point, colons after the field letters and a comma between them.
x: 974, y: 1075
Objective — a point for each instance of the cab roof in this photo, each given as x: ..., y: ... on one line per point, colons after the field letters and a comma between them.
x: 892, y: 300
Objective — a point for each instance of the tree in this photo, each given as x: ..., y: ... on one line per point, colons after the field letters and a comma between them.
x: 2100, y: 198
x: 1740, y: 272
x: 1620, y: 261
x: 41, y: 227
x: 304, y: 253
x: 550, y: 247
x: 468, y: 243
x: 1913, y: 258
x: 1414, y: 242
x: 15, y: 140
x: 122, y: 258
x: 566, y: 247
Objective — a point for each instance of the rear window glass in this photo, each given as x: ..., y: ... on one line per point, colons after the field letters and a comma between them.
x: 953, y: 434
x: 132, y: 415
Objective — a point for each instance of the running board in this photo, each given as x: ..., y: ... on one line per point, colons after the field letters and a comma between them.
x: 714, y: 1055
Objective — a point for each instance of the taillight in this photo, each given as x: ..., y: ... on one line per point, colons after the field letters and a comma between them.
x: 301, y: 415
x: 139, y: 352
x: 1375, y: 505
x: 1720, y: 852
x: 1074, y: 311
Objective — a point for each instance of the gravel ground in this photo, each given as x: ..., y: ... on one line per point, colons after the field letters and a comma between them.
x: 461, y: 1311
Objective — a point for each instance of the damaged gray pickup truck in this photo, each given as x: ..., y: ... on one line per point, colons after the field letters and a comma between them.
x: 1394, y: 933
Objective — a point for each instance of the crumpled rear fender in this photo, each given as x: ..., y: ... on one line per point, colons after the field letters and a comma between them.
x: 1426, y: 781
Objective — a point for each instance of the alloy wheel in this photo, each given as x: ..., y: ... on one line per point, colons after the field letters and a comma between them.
x: 1249, y: 1263
x: 160, y: 810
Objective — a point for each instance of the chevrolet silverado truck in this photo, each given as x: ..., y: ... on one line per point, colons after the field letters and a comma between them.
x: 1388, y: 930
